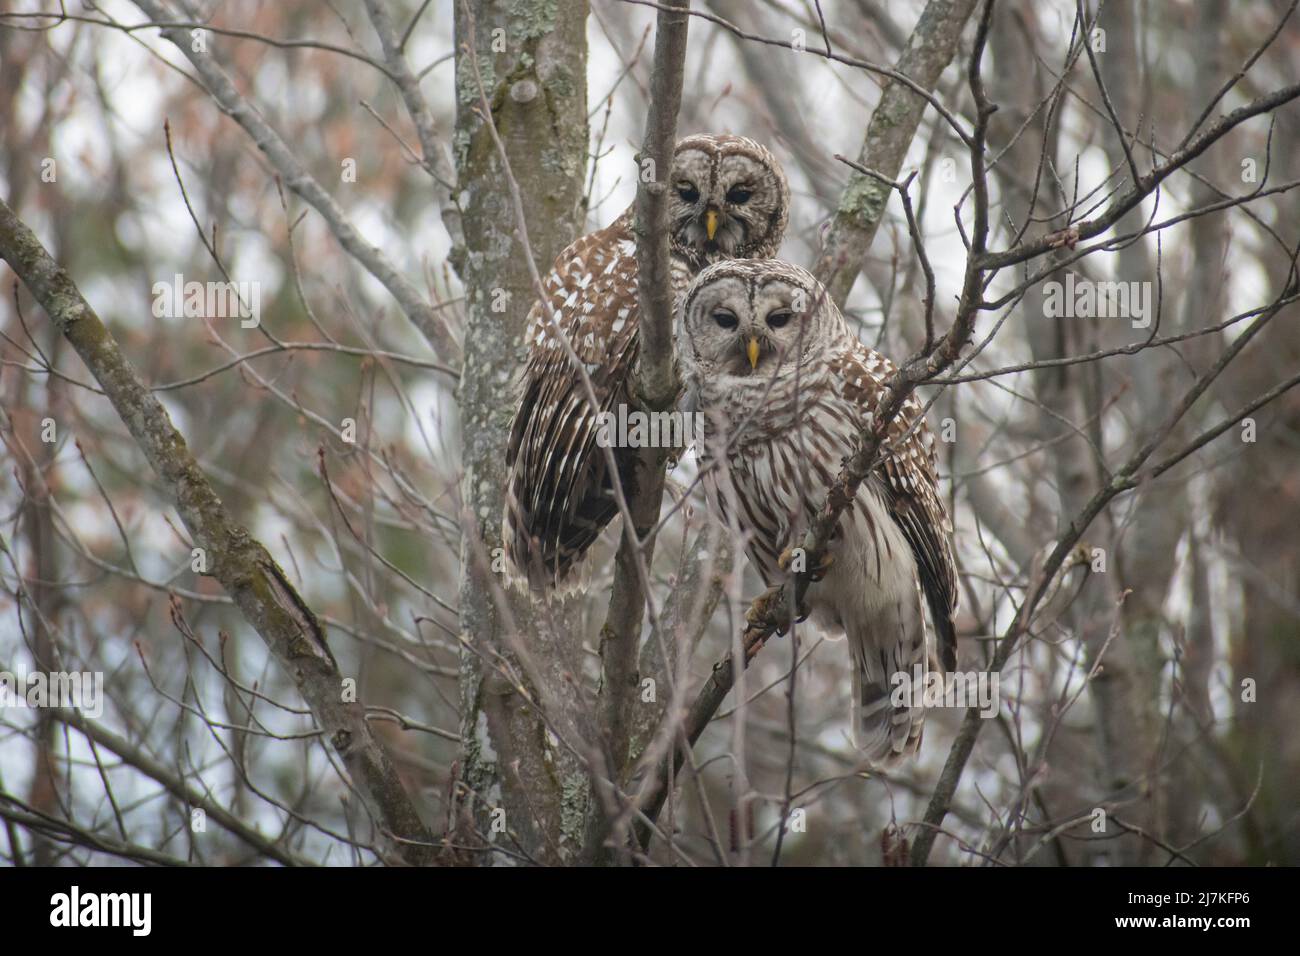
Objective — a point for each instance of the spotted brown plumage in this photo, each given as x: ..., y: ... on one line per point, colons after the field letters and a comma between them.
x: 729, y: 197
x: 910, y: 484
x: 787, y: 391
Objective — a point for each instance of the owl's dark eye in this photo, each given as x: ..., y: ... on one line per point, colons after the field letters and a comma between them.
x: 738, y: 195
x: 725, y: 319
x: 779, y: 318
x: 688, y: 194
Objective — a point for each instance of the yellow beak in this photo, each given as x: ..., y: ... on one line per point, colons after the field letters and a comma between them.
x: 752, y: 352
x: 711, y: 223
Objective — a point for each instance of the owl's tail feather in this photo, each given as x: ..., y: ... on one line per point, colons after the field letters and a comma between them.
x: 886, y: 733
x: 887, y: 719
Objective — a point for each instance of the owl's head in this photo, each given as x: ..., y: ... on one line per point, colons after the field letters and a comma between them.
x: 756, y: 318
x: 729, y: 199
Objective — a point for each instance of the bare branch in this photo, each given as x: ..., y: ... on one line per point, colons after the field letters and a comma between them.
x: 239, y: 561
x: 655, y: 383
x: 295, y: 175
x: 929, y: 50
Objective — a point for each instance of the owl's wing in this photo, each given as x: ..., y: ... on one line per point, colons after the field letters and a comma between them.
x: 558, y: 489
x: 910, y: 480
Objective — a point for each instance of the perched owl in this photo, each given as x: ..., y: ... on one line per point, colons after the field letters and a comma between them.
x: 729, y: 199
x: 786, y: 388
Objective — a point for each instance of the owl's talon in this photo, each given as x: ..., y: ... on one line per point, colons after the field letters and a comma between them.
x: 821, y: 566
x: 821, y: 562
x: 767, y: 610
x: 786, y: 558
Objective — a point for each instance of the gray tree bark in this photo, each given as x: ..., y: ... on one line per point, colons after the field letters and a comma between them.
x: 532, y: 58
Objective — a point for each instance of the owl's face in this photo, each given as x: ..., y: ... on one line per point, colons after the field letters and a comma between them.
x: 755, y: 319
x: 729, y: 199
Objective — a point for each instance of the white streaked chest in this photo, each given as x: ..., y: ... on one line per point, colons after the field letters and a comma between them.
x: 779, y: 468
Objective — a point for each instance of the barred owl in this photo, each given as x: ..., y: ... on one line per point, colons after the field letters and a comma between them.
x: 729, y: 198
x: 785, y: 389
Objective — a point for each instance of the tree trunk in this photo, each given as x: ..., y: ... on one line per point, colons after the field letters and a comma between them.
x: 532, y: 60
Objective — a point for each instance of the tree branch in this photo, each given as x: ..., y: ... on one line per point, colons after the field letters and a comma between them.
x: 655, y: 376
x: 655, y: 383
x: 295, y: 175
x: 236, y: 559
x: 897, y: 116
x: 1123, y: 480
x: 1146, y: 184
x: 434, y: 159
x: 177, y: 786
